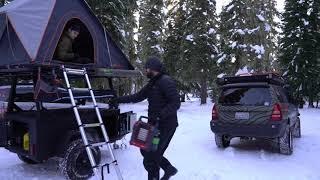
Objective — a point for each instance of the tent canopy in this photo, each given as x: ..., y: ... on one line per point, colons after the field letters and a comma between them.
x: 30, y: 31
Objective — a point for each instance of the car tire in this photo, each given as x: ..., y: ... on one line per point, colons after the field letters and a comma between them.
x: 222, y: 141
x: 286, y: 142
x: 27, y: 160
x: 297, y: 129
x: 75, y: 164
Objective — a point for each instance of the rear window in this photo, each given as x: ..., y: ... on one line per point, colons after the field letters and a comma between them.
x: 246, y: 96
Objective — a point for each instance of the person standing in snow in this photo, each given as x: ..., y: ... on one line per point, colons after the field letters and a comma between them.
x: 164, y: 101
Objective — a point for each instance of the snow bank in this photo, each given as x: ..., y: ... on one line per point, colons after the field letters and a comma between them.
x: 195, y: 154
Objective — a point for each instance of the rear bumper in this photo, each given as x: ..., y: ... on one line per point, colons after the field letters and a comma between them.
x: 271, y: 130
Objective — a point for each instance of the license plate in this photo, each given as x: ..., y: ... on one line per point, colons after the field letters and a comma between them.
x: 242, y: 115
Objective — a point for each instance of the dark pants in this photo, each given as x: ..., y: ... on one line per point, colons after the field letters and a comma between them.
x: 152, y: 161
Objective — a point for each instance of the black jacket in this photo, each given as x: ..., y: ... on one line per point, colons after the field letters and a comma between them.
x: 163, y: 99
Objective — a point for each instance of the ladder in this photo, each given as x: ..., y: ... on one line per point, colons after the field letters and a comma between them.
x: 82, y: 127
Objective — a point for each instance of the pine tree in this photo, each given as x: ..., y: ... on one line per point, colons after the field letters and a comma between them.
x: 4, y: 2
x: 111, y: 14
x: 299, y: 47
x: 151, y: 23
x: 173, y: 39
x: 248, y: 35
x: 118, y: 18
x: 199, y: 40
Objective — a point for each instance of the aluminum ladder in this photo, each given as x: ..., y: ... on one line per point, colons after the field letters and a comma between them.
x: 82, y: 127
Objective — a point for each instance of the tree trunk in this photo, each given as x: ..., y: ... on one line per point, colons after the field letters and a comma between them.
x: 203, y: 90
x: 2, y: 2
x: 311, y: 102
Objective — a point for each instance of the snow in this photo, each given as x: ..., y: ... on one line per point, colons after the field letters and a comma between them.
x: 233, y: 59
x: 230, y: 7
x: 258, y: 49
x: 261, y: 18
x: 305, y: 22
x: 301, y: 1
x: 310, y: 10
x: 211, y: 31
x: 253, y: 30
x: 158, y: 47
x: 267, y: 27
x: 221, y: 59
x: 234, y: 44
x: 193, y: 151
x: 244, y: 70
x: 189, y: 37
x: 240, y: 31
x: 157, y: 33
x: 221, y: 75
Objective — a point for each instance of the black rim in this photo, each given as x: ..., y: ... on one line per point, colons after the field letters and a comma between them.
x: 82, y: 166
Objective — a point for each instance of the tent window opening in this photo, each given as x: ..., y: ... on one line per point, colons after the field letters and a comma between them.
x: 75, y: 44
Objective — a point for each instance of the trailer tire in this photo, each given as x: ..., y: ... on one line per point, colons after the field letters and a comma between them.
x: 75, y: 164
x: 27, y: 160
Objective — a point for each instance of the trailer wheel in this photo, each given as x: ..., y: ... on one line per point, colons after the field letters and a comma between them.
x: 27, y: 160
x: 75, y: 163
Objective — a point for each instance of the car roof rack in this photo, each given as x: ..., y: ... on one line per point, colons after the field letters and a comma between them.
x: 271, y: 78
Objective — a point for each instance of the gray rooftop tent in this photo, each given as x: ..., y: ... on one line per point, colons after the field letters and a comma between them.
x: 30, y: 31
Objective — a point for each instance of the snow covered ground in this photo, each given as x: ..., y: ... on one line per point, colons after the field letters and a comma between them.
x: 194, y: 153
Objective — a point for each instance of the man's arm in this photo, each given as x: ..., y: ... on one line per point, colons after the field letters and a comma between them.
x: 168, y: 87
x: 134, y: 98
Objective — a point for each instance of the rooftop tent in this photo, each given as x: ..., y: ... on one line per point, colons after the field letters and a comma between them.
x: 30, y: 31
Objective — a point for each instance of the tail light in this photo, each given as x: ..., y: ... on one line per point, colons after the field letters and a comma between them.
x: 276, y: 113
x: 214, y: 113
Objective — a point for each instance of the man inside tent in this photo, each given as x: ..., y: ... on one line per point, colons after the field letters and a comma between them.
x: 65, y: 51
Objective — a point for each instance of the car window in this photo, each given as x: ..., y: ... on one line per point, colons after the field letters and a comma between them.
x: 249, y: 96
x: 281, y: 94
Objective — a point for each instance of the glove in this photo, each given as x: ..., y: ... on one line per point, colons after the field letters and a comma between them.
x: 113, y: 103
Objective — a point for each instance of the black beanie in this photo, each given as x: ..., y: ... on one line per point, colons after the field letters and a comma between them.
x: 75, y: 27
x: 154, y: 63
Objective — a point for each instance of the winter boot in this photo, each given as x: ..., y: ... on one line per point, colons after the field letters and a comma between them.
x: 169, y: 173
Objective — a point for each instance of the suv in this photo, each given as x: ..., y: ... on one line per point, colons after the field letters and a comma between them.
x: 255, y: 106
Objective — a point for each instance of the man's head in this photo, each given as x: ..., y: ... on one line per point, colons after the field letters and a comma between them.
x: 74, y: 31
x: 153, y: 67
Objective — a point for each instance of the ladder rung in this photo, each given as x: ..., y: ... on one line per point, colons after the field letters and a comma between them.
x: 80, y: 89
x: 91, y: 125
x: 75, y: 71
x: 97, y: 144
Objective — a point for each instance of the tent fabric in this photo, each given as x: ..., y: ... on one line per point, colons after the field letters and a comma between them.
x: 37, y: 25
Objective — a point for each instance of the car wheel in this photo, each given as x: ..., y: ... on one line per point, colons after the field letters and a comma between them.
x: 27, y: 160
x: 297, y: 129
x: 286, y: 142
x: 75, y: 163
x: 222, y: 141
